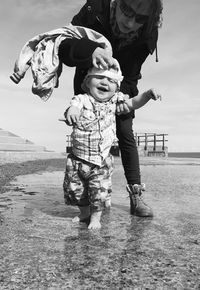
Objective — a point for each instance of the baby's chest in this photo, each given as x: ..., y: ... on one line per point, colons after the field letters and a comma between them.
x: 97, y: 117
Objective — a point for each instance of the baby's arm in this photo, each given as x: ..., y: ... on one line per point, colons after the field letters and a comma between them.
x: 72, y: 114
x: 140, y: 100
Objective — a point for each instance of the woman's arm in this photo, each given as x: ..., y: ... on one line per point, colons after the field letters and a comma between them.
x: 77, y: 52
x: 85, y: 53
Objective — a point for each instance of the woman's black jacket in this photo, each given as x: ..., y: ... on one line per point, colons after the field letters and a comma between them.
x: 95, y: 14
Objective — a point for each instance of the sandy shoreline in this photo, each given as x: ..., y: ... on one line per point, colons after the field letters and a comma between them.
x: 10, y: 168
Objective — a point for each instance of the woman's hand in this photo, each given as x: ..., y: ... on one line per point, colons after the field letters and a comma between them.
x: 102, y: 58
x: 72, y: 115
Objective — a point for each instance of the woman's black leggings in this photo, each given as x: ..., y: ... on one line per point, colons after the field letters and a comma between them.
x: 128, y: 148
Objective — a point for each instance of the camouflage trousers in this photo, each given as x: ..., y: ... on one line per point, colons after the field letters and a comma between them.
x: 87, y: 184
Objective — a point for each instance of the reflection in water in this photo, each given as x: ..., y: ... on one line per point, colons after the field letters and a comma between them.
x: 115, y: 249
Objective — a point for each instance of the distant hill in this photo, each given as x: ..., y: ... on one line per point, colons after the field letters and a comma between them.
x: 12, y: 142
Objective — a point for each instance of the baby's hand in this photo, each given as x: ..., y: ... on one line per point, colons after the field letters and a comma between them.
x: 154, y: 95
x: 72, y: 115
x: 121, y: 106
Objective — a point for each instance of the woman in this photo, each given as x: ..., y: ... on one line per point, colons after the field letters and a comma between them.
x: 131, y: 26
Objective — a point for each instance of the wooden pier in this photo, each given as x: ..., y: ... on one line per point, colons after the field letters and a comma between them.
x: 149, y: 144
x: 152, y: 144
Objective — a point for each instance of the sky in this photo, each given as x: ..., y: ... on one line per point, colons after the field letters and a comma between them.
x: 176, y: 76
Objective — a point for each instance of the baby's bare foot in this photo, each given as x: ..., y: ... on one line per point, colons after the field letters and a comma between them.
x: 94, y: 225
x: 95, y: 221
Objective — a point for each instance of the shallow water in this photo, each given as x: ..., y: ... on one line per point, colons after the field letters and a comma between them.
x: 42, y: 249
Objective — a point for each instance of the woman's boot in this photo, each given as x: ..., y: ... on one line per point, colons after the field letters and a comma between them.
x: 138, y: 207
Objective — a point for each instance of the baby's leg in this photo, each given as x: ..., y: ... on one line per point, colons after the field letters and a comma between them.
x: 75, y: 189
x: 99, y: 183
x: 95, y: 220
x: 108, y: 202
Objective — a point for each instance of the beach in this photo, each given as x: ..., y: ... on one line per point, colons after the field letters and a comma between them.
x: 40, y: 247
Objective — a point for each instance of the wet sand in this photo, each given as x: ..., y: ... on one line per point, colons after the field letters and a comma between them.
x: 40, y: 248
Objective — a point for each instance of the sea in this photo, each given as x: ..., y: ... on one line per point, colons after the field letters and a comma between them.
x: 184, y: 154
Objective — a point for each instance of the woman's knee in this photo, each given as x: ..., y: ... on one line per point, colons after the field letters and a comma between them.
x: 124, y: 127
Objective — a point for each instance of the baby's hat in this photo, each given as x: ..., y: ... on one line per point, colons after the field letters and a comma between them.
x: 114, y: 73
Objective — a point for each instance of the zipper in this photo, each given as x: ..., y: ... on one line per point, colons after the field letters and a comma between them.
x: 102, y: 26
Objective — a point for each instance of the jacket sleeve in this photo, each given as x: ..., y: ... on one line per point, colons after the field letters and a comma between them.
x: 77, y: 52
x: 131, y: 65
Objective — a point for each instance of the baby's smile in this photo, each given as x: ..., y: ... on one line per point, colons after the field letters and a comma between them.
x: 103, y: 89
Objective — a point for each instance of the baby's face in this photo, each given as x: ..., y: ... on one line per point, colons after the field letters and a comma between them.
x: 101, y: 88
